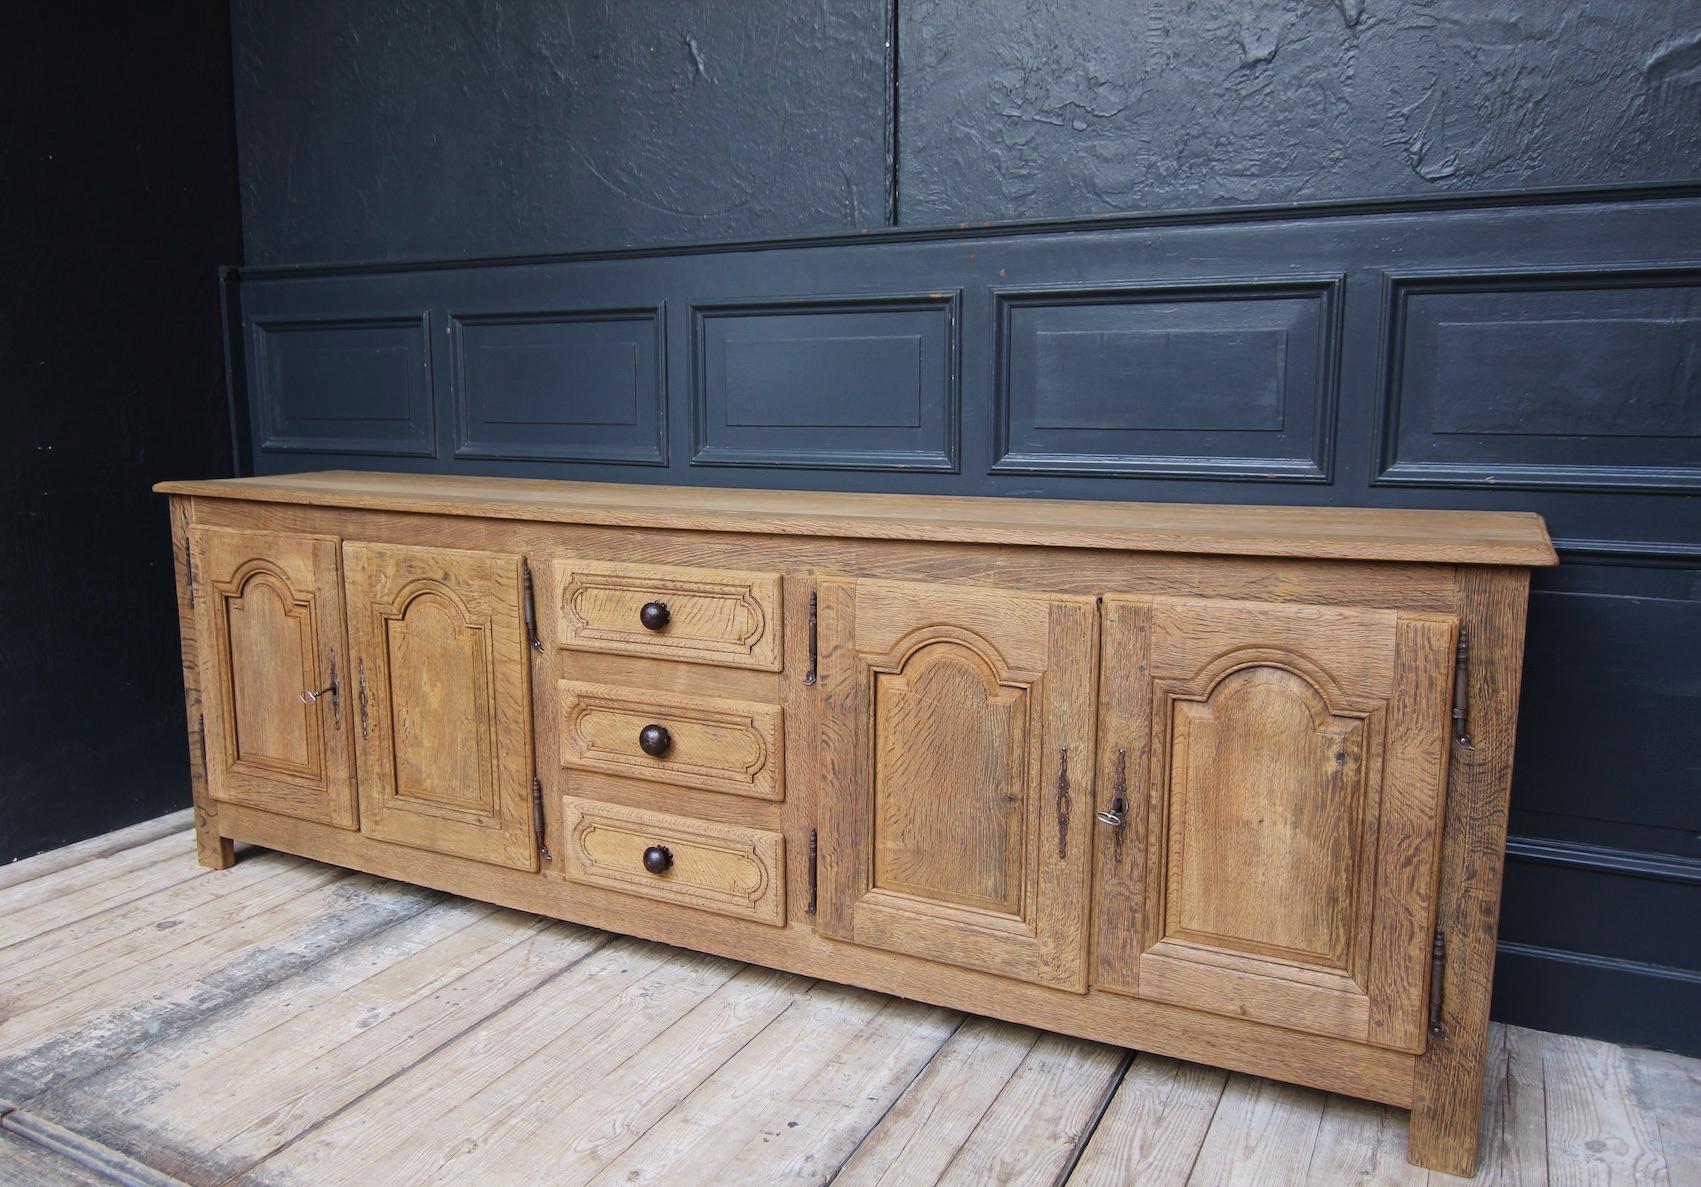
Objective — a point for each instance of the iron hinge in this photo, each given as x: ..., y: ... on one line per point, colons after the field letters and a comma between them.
x: 530, y: 604
x: 1462, y: 690
x: 1437, y: 983
x: 814, y: 639
x: 1065, y: 803
x: 537, y: 819
x: 814, y: 872
x: 188, y: 561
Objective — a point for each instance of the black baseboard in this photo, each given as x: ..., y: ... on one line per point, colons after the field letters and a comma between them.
x: 1644, y: 1005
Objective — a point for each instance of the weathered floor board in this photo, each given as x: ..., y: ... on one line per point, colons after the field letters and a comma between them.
x: 26, y: 1162
x: 31, y: 868
x: 1154, y: 1127
x: 286, y: 1023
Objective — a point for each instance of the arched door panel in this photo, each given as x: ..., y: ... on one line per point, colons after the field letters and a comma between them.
x: 269, y: 622
x: 953, y: 824
x: 1283, y: 810
x: 442, y: 700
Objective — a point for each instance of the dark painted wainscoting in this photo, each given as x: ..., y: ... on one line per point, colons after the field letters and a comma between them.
x: 1536, y: 352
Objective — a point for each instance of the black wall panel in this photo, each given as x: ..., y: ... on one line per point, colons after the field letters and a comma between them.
x: 1535, y: 352
x: 1620, y: 649
x: 1551, y: 380
x: 347, y: 385
x: 584, y: 385
x: 1208, y: 380
x: 1273, y: 348
x: 826, y: 384
x: 431, y: 128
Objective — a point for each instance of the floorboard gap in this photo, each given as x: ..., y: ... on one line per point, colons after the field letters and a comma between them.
x: 893, y: 1103
x: 1092, y: 1126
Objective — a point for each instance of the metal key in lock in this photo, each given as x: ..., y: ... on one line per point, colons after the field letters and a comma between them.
x: 311, y: 696
x: 1116, y: 816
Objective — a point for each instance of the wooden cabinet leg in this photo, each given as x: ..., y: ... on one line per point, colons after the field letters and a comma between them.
x: 1447, y: 1088
x: 211, y: 850
x: 1445, y: 1126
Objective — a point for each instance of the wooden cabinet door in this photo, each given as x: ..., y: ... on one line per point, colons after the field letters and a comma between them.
x: 1284, y: 770
x: 269, y: 617
x: 955, y: 806
x: 442, y: 700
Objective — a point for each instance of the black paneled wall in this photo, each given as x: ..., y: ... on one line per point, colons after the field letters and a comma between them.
x: 1433, y: 330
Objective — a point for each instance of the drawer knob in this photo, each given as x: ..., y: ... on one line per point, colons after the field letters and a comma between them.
x: 658, y: 859
x: 654, y: 740
x: 654, y: 615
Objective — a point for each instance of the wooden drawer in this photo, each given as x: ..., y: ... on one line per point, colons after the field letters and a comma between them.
x: 713, y: 616
x: 711, y: 743
x: 714, y: 867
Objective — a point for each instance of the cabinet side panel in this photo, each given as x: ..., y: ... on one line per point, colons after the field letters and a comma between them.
x: 1447, y: 1086
x: 213, y: 851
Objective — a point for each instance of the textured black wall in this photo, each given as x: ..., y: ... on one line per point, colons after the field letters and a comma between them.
x: 452, y: 127
x: 437, y: 128
x: 1032, y: 110
x: 1515, y: 353
x: 119, y: 160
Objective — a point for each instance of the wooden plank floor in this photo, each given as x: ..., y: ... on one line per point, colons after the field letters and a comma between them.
x: 286, y: 1022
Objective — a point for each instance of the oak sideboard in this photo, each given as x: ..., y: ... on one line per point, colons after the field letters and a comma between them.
x: 1224, y: 783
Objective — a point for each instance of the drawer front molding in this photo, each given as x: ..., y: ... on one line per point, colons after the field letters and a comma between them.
x: 713, y: 616
x: 714, y: 744
x: 713, y: 867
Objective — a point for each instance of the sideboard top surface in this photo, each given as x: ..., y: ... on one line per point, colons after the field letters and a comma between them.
x: 1345, y: 533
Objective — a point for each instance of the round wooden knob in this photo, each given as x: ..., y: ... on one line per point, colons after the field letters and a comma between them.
x: 654, y: 740
x: 654, y: 615
x: 658, y: 859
